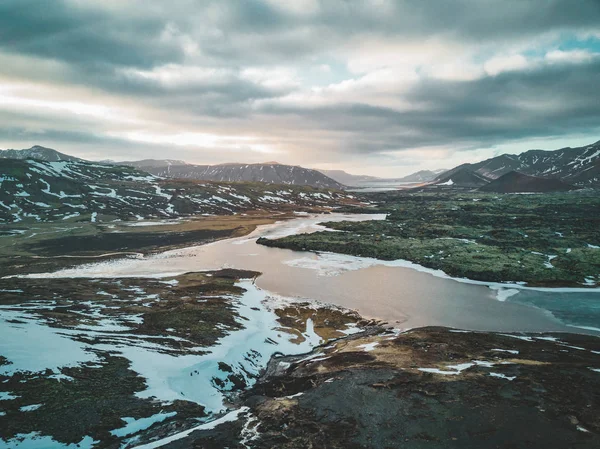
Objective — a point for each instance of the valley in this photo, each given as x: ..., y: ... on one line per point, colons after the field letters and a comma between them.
x: 138, y: 312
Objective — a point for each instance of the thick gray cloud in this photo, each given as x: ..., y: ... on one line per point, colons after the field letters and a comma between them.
x: 313, y: 79
x: 83, y: 35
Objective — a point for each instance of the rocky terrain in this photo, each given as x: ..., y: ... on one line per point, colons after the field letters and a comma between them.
x: 429, y: 387
x: 38, y: 191
x: 113, y: 363
x: 543, y: 240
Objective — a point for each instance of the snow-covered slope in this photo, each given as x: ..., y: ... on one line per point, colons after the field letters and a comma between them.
x: 271, y: 173
x: 38, y: 152
x: 576, y: 166
x: 54, y: 191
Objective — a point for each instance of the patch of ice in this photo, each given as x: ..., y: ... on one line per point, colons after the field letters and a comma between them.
x: 504, y: 293
x: 519, y: 337
x: 502, y: 376
x: 30, y: 408
x: 136, y: 425
x: 552, y: 339
x: 447, y: 183
x: 368, y: 347
x: 249, y: 432
x: 34, y: 440
x: 247, y: 351
x: 510, y: 351
x: 31, y: 346
x: 453, y: 370
x: 7, y: 396
x: 231, y: 416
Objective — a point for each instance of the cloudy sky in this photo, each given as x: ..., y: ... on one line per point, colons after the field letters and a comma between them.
x: 382, y: 87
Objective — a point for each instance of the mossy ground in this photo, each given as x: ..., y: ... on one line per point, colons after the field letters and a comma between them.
x: 369, y: 391
x: 180, y: 316
x: 45, y: 247
x: 543, y: 240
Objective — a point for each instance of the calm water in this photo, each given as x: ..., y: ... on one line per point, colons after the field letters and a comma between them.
x: 375, y: 289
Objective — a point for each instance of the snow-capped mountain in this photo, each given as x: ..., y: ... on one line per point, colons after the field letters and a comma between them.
x: 270, y: 173
x: 34, y: 190
x: 576, y: 166
x: 38, y: 152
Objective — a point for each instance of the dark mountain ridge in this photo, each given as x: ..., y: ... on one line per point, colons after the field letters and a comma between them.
x: 577, y: 166
x: 515, y: 182
x: 349, y: 179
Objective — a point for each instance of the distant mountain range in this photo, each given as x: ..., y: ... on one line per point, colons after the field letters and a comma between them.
x: 40, y: 153
x: 348, y: 179
x: 423, y: 176
x: 36, y: 190
x: 578, y: 167
x: 270, y: 173
x: 365, y: 180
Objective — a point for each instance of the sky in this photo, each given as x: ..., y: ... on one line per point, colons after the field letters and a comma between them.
x: 379, y: 87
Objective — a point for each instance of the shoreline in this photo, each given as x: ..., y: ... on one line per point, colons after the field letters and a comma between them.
x: 397, y: 263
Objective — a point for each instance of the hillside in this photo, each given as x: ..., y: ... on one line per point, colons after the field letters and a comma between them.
x: 422, y: 176
x: 349, y: 179
x: 270, y: 173
x: 146, y: 164
x: 578, y: 166
x: 463, y: 176
x: 363, y: 180
x: 40, y: 153
x: 515, y: 182
x: 52, y: 191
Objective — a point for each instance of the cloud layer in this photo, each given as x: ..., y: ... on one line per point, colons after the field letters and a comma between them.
x: 379, y: 85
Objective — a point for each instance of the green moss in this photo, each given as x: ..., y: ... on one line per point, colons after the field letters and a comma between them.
x: 538, y: 239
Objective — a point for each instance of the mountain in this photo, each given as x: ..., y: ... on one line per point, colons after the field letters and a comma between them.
x: 348, y: 179
x: 422, y: 176
x: 462, y: 176
x: 34, y: 190
x: 578, y: 166
x: 515, y: 182
x: 38, y: 152
x: 150, y: 163
x: 270, y: 173
x: 362, y: 180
